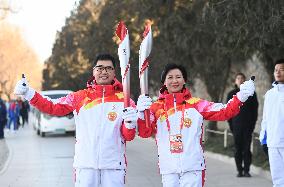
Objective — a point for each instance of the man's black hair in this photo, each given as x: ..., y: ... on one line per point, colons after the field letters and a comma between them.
x: 240, y: 74
x: 172, y: 66
x: 105, y: 57
x: 279, y: 61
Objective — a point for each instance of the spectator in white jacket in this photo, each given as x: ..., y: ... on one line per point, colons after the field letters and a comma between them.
x: 272, y: 126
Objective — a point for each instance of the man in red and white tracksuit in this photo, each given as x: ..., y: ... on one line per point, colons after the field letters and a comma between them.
x: 177, y: 120
x: 102, y: 125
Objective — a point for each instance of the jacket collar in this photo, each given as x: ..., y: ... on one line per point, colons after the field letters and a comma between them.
x: 278, y: 87
x: 116, y: 86
x: 169, y: 98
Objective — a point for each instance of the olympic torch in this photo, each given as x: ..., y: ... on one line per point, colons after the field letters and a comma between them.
x: 144, y: 52
x: 124, y: 54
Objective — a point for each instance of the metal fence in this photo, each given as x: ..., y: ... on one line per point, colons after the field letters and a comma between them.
x: 225, y: 134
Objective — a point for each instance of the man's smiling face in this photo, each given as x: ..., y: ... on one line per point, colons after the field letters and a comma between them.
x: 104, y: 72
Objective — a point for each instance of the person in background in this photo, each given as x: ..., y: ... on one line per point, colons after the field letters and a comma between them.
x: 272, y: 125
x: 3, y: 118
x: 103, y: 125
x: 13, y: 116
x: 177, y: 120
x: 18, y: 112
x: 242, y: 127
x: 265, y: 149
x: 24, y: 110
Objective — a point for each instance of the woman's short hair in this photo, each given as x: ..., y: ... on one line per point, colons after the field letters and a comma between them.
x: 172, y: 66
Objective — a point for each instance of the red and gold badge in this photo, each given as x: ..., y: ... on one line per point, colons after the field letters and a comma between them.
x: 112, y: 116
x: 187, y: 122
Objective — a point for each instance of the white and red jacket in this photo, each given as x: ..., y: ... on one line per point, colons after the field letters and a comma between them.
x: 272, y: 125
x: 100, y: 132
x: 195, y: 111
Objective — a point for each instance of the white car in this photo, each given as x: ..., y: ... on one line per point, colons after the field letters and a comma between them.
x: 45, y: 123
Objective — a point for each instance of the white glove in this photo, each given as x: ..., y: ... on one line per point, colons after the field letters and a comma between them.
x: 144, y: 102
x: 246, y: 89
x: 130, y: 117
x: 22, y: 88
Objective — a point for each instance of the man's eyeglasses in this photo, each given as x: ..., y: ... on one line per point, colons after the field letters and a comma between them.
x: 102, y: 68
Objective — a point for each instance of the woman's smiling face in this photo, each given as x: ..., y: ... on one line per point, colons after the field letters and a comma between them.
x: 174, y: 81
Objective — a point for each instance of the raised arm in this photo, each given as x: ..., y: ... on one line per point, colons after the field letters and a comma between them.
x: 220, y: 112
x: 62, y: 107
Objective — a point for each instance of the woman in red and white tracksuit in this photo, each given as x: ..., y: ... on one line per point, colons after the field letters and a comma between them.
x: 102, y: 125
x: 177, y: 120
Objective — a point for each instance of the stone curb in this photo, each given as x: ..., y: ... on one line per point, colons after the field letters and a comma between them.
x: 9, y: 158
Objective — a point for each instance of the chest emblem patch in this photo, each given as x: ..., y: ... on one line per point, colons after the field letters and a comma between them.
x: 112, y: 116
x: 187, y: 122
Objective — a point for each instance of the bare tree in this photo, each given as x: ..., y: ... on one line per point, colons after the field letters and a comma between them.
x: 16, y: 57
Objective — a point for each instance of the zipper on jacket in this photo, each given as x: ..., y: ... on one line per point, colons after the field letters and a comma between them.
x: 100, y: 129
x: 180, y: 170
x: 103, y: 99
x: 180, y: 163
x: 175, y: 102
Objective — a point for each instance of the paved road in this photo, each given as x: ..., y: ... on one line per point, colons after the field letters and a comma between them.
x: 222, y: 174
x: 38, y: 162
x: 219, y: 174
x: 3, y: 152
x: 47, y: 162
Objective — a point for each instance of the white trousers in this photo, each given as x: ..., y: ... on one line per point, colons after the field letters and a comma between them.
x: 99, y: 178
x: 276, y: 161
x: 187, y: 179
